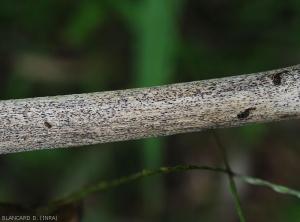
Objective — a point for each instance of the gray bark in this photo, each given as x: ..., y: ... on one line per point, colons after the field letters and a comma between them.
x: 83, y: 119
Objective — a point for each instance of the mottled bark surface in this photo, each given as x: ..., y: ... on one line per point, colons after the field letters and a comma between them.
x: 82, y: 119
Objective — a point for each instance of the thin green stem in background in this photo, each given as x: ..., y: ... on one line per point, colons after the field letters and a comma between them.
x: 236, y: 198
x: 230, y: 176
x: 84, y: 192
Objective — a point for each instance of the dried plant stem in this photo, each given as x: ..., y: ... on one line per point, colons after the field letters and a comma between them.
x: 83, y: 119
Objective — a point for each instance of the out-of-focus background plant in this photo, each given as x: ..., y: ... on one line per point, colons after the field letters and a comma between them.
x: 65, y: 47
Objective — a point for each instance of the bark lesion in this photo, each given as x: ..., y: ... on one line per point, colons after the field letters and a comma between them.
x: 245, y: 113
x: 48, y: 125
x: 277, y: 77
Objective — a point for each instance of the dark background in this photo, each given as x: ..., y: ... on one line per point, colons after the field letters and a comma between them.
x: 65, y: 47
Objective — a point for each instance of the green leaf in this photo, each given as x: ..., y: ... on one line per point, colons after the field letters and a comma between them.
x: 275, y: 187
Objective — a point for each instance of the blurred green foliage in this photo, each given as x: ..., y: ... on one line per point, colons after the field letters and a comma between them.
x: 85, y: 20
x: 155, y: 62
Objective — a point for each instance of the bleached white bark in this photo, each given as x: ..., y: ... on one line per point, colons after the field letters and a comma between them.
x: 82, y: 119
